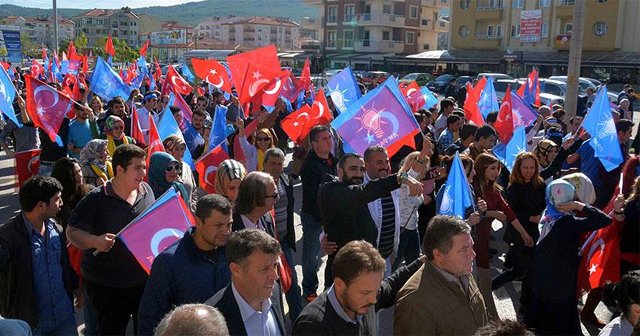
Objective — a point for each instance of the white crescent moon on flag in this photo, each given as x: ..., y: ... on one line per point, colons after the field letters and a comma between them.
x: 597, y: 244
x: 411, y: 91
x: 320, y: 110
x: 209, y: 170
x: 276, y: 87
x: 446, y: 204
x: 508, y: 105
x: 306, y: 116
x: 159, y: 236
x: 394, y: 121
x: 254, y: 86
x: 46, y: 88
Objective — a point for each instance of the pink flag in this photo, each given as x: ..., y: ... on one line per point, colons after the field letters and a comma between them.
x: 150, y: 234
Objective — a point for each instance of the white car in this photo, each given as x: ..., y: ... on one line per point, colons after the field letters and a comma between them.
x: 583, y: 83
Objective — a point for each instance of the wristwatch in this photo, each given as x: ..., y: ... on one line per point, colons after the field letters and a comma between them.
x: 402, y: 176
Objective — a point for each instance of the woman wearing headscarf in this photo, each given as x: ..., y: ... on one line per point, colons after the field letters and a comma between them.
x: 230, y: 174
x: 552, y: 307
x: 176, y: 146
x: 96, y: 168
x: 114, y: 134
x: 164, y: 170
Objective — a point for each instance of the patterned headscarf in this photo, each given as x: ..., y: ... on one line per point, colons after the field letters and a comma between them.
x: 542, y: 151
x: 558, y: 192
x: 93, y: 152
x: 111, y: 122
x: 172, y: 142
x: 584, y: 187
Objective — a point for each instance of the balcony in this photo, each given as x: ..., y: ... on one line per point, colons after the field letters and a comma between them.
x: 489, y: 13
x: 429, y: 3
x: 378, y: 46
x: 487, y: 42
x: 380, y: 19
x: 565, y: 8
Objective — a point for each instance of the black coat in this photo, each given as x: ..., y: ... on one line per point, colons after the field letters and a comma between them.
x: 525, y: 201
x: 17, y: 299
x: 228, y: 306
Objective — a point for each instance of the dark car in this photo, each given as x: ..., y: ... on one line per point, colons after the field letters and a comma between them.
x: 463, y: 80
x: 440, y: 83
x: 420, y: 78
x: 375, y: 77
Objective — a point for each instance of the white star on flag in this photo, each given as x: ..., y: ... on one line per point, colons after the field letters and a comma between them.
x: 593, y: 269
x: 256, y: 75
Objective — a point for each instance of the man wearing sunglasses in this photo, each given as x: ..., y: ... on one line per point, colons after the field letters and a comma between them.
x: 257, y: 196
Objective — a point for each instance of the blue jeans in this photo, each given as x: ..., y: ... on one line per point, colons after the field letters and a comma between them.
x: 311, y: 230
x: 66, y: 328
x: 293, y: 295
x: 408, y: 248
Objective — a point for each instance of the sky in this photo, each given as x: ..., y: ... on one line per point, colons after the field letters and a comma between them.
x: 87, y: 4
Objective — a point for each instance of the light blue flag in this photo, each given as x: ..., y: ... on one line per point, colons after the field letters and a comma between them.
x: 488, y: 99
x: 106, y: 83
x: 142, y: 65
x: 604, y: 138
x: 508, y: 152
x: 218, y: 133
x: 168, y: 126
x: 7, y: 95
x: 430, y: 100
x: 456, y: 196
x: 343, y: 89
x: 187, y: 74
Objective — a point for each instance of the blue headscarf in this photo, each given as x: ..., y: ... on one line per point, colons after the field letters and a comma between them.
x: 558, y: 192
x: 158, y: 164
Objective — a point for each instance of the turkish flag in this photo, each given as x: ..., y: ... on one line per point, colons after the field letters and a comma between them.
x: 36, y: 69
x: 305, y: 76
x: 155, y: 142
x: 46, y: 106
x: 413, y: 95
x: 158, y: 72
x: 269, y: 95
x: 108, y: 47
x: 212, y: 72
x: 253, y: 70
x: 71, y: 51
x: 27, y: 164
x: 471, y: 110
x: 176, y: 82
x: 68, y: 81
x: 504, y: 123
x: 298, y: 124
x: 136, y: 130
x: 143, y: 49
x: 207, y: 168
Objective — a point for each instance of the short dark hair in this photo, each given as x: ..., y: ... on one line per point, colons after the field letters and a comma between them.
x: 273, y: 152
x: 624, y: 125
x: 252, y: 191
x: 484, y: 132
x: 446, y: 103
x: 343, y: 160
x: 208, y: 203
x: 468, y: 130
x: 440, y: 232
x: 38, y: 189
x: 355, y: 258
x: 174, y: 109
x: 118, y: 100
x: 199, y: 113
x: 193, y: 319
x: 491, y: 117
x: 373, y: 149
x: 504, y: 328
x: 123, y: 155
x: 313, y: 134
x: 452, y: 119
x: 244, y: 242
x: 621, y: 295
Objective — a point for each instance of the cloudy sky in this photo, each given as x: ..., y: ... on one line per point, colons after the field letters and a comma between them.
x: 94, y: 3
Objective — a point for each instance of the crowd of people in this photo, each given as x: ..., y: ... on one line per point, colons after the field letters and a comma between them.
x: 376, y: 216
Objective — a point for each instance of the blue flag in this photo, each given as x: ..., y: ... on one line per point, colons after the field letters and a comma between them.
x: 55, y: 70
x: 187, y: 73
x: 522, y: 112
x: 142, y: 65
x: 430, y: 100
x: 488, y: 99
x: 152, y: 83
x: 604, y: 138
x: 218, y: 133
x: 137, y: 82
x: 456, y: 197
x: 168, y: 126
x: 508, y: 152
x: 343, y: 89
x: 106, y: 83
x: 7, y: 95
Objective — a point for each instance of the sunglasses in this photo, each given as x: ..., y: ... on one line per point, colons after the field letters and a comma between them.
x: 274, y: 196
x: 172, y: 168
x: 263, y: 139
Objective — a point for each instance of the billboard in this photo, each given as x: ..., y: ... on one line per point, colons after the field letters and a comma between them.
x: 169, y: 37
x: 10, y: 47
x: 530, y: 25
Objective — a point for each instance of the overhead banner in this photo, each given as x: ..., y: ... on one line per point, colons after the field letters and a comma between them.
x: 10, y: 47
x: 169, y: 37
x: 530, y: 25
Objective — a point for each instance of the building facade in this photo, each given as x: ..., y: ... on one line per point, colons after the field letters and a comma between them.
x: 361, y: 33
x: 252, y: 32
x: 40, y: 30
x: 98, y: 23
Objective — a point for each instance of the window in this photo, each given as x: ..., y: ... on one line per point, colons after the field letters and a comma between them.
x: 331, y: 39
x: 567, y: 2
x: 349, y: 12
x: 386, y: 36
x: 409, y: 37
x: 464, y: 4
x: 413, y: 12
x: 332, y: 14
x: 517, y: 3
x: 545, y: 30
x: 386, y: 9
x: 568, y: 28
x: 600, y: 28
x: 348, y: 39
x: 545, y: 3
x: 515, y: 30
x: 489, y: 30
x: 425, y: 47
x: 499, y: 31
x: 602, y: 1
x: 425, y: 22
x: 463, y: 31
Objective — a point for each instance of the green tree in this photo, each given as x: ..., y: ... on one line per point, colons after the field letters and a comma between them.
x: 29, y: 48
x: 124, y: 53
x: 80, y: 42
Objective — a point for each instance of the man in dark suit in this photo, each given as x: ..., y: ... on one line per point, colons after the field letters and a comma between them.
x: 251, y: 304
x: 257, y: 196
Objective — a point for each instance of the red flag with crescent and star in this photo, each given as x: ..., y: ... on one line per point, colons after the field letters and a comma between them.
x: 413, y: 95
x: 27, y: 164
x: 176, y: 82
x: 269, y: 95
x: 504, y: 123
x: 212, y: 72
x: 253, y: 70
x: 136, y: 130
x: 305, y: 75
x: 46, y: 107
x: 298, y: 124
x: 207, y: 168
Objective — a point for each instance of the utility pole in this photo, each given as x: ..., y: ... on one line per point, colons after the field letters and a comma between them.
x: 575, y: 59
x: 55, y: 27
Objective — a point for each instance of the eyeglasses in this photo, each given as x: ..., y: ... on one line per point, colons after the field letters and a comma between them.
x: 274, y: 196
x: 263, y: 139
x: 172, y: 168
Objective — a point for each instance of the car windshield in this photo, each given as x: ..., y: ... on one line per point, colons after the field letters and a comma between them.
x: 443, y: 78
x: 410, y: 76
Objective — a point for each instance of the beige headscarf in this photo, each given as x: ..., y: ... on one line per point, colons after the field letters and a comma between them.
x: 584, y: 188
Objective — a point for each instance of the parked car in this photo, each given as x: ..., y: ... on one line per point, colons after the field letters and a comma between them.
x: 420, y: 77
x: 463, y: 80
x: 331, y: 72
x: 553, y: 87
x: 501, y: 85
x: 550, y: 100
x: 494, y: 75
x: 319, y: 82
x: 375, y: 77
x: 440, y: 83
x: 583, y: 83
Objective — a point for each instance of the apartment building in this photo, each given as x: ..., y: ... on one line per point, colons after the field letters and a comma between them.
x: 98, y: 23
x: 252, y: 32
x: 40, y: 30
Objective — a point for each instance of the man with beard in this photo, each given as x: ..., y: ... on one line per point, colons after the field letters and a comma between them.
x: 193, y: 269
x: 343, y: 204
x: 348, y: 307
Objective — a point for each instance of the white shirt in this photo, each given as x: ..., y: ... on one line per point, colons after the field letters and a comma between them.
x: 256, y: 322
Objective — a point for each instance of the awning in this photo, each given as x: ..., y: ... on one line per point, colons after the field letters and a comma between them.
x: 219, y: 55
x: 451, y: 56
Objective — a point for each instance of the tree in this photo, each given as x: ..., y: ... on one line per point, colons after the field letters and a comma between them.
x: 124, y: 53
x: 80, y: 42
x: 29, y: 48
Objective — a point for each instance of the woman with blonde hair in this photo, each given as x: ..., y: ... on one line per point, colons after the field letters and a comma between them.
x: 263, y: 139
